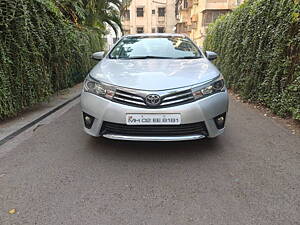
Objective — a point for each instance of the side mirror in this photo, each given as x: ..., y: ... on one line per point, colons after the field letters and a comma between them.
x: 211, y: 55
x: 97, y: 55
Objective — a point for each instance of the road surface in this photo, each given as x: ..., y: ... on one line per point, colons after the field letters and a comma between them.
x: 59, y: 175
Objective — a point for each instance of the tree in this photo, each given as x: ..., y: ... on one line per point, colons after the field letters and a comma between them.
x: 93, y: 13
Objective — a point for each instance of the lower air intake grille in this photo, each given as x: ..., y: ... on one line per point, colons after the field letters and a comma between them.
x: 154, y: 130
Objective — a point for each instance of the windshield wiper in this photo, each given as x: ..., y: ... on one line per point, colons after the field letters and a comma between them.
x: 150, y: 57
x: 190, y: 57
x: 157, y: 57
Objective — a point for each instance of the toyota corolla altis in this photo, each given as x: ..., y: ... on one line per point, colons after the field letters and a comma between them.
x: 154, y: 87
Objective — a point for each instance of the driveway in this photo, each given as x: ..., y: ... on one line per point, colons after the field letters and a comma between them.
x: 59, y: 175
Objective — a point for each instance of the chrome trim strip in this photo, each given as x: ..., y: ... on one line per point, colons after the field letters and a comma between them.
x: 153, y: 138
x: 129, y: 96
x: 129, y: 101
x: 160, y: 92
x: 177, y: 101
x: 177, y: 96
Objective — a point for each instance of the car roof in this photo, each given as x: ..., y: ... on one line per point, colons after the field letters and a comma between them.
x: 156, y: 35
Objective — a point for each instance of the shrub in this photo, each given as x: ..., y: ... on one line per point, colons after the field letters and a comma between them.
x: 40, y: 53
x: 259, y: 48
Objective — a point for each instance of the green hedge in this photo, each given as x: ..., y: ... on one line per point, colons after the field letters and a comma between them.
x: 259, y: 49
x: 40, y: 53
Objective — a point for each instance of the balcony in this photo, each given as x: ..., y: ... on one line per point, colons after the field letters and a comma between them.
x: 209, y: 16
x: 181, y: 28
x: 161, y: 19
x: 217, y: 4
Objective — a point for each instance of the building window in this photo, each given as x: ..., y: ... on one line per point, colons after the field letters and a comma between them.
x: 161, y: 11
x: 153, y: 11
x: 211, y: 15
x: 140, y: 12
x: 194, y: 25
x: 161, y: 30
x: 185, y: 4
x: 140, y: 30
x: 153, y: 30
x: 126, y: 15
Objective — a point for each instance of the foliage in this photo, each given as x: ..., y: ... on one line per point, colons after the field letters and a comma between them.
x: 100, y: 11
x: 259, y: 48
x: 40, y: 52
x: 93, y: 13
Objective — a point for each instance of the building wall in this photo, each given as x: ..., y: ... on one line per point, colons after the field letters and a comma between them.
x: 150, y: 21
x: 194, y: 19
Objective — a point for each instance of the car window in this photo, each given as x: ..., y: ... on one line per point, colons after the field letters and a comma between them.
x: 156, y: 46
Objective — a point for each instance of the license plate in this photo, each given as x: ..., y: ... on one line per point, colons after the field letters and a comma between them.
x: 153, y: 119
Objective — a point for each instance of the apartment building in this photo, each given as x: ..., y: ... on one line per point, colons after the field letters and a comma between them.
x: 149, y: 16
x: 194, y: 16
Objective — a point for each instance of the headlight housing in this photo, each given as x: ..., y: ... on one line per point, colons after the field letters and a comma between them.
x: 215, y: 86
x: 98, y: 88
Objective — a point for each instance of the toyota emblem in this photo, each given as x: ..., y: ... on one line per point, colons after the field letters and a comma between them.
x: 153, y: 100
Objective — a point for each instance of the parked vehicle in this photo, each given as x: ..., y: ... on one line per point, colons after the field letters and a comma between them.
x: 154, y: 87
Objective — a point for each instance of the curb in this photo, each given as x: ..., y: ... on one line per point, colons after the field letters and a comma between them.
x: 37, y: 120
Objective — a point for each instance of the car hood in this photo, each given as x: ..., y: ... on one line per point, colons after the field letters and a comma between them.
x: 154, y: 74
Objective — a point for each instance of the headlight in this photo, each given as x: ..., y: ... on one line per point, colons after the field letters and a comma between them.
x: 97, y: 88
x: 212, y: 88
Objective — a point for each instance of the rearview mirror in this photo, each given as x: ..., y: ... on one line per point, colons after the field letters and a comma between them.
x: 97, y: 55
x: 211, y: 55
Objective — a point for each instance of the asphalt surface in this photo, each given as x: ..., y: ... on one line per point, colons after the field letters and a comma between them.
x: 59, y: 175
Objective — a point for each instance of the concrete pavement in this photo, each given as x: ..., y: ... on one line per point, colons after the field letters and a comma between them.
x: 59, y: 175
x: 10, y: 126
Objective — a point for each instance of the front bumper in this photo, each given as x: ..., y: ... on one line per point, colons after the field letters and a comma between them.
x: 203, y: 110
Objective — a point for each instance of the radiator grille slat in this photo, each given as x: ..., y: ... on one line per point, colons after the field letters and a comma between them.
x: 177, y: 101
x: 130, y: 96
x: 129, y: 101
x: 177, y: 95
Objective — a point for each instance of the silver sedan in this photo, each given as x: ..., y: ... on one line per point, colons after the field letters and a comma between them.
x: 154, y: 87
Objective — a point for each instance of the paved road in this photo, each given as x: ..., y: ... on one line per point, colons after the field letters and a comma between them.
x: 250, y: 175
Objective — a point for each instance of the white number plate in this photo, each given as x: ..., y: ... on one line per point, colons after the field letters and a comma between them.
x: 153, y: 119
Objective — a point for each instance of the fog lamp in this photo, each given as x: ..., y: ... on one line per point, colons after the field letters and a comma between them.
x: 88, y: 120
x: 220, y: 121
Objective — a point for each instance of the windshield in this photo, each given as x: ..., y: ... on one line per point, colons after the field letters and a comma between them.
x: 155, y: 47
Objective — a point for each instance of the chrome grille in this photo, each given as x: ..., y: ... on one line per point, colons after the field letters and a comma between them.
x: 177, y: 98
x: 129, y: 98
x: 168, y: 98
